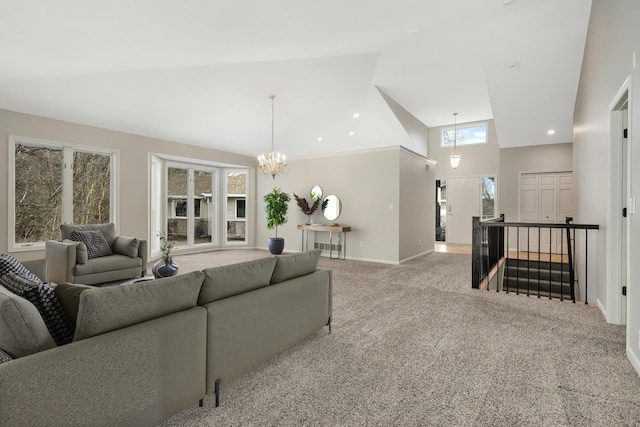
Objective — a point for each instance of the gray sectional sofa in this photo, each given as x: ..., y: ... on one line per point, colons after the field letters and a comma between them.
x: 145, y: 351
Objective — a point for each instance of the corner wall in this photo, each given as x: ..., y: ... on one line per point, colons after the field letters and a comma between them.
x: 376, y: 197
x: 612, y: 38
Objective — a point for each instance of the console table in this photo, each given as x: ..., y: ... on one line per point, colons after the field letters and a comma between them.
x: 342, y: 238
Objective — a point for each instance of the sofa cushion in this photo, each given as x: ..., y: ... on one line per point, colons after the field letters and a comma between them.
x: 45, y: 301
x: 295, y: 265
x: 126, y: 246
x: 22, y: 330
x: 9, y: 264
x: 81, y: 251
x: 106, y: 309
x: 4, y: 357
x: 233, y: 279
x: 69, y: 296
x: 97, y: 245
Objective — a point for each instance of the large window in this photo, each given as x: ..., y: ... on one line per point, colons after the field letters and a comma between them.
x: 468, y: 134
x: 51, y: 184
x: 197, y: 204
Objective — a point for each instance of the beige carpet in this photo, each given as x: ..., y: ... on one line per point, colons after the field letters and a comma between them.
x: 414, y: 345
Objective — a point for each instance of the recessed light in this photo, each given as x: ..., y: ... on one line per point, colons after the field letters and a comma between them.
x: 352, y: 133
x: 551, y: 132
x: 319, y: 139
x: 412, y: 31
x: 356, y: 115
x: 514, y: 66
x: 508, y: 2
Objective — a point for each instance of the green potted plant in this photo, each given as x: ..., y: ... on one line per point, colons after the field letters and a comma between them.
x: 277, y: 205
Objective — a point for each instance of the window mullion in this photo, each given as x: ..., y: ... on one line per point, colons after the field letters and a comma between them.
x: 67, y: 185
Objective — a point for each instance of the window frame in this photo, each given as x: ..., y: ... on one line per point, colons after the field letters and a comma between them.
x: 67, y: 184
x: 460, y: 127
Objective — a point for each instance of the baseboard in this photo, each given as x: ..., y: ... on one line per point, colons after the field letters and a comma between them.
x: 635, y: 362
x: 602, y: 309
x: 417, y: 256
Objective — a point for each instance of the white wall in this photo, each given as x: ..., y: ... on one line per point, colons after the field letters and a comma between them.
x: 133, y: 177
x: 369, y: 185
x: 613, y: 37
x: 477, y: 160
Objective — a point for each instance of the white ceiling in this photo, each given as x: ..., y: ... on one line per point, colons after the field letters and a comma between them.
x: 201, y: 71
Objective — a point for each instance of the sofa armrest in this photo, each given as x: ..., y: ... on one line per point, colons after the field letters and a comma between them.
x: 37, y: 267
x: 61, y: 260
x: 142, y: 253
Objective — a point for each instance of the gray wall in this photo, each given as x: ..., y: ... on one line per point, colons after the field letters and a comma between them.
x: 539, y: 158
x: 613, y: 36
x: 132, y: 216
x: 369, y: 186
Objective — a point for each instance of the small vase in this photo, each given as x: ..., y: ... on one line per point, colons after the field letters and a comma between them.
x: 308, y: 220
x: 165, y: 267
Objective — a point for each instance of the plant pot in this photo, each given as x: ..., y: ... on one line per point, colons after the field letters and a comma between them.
x: 276, y: 246
x: 165, y: 267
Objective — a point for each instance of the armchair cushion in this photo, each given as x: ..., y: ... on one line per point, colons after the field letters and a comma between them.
x: 45, y: 301
x: 69, y: 296
x: 126, y: 246
x: 97, y: 245
x: 107, y: 230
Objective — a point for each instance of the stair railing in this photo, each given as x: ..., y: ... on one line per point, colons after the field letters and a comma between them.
x: 489, y: 239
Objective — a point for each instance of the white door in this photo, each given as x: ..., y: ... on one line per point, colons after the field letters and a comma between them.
x: 545, y: 198
x: 463, y: 203
x: 548, y: 211
x: 529, y: 207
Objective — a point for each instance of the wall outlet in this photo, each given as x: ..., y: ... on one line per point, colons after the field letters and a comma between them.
x: 362, y: 244
x: 420, y: 241
x: 633, y: 60
x: 390, y: 206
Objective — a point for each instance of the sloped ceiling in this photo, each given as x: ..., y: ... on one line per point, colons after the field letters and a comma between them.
x: 201, y: 71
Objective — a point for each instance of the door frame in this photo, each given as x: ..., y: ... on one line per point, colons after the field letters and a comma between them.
x: 614, y: 311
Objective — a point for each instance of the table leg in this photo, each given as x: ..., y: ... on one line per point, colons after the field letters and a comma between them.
x: 330, y: 244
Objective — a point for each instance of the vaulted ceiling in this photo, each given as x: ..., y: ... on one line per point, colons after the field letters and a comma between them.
x: 201, y: 71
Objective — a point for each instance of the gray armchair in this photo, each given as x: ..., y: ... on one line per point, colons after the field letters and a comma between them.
x: 71, y: 261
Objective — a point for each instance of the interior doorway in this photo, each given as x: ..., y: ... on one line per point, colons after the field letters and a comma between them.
x: 620, y: 207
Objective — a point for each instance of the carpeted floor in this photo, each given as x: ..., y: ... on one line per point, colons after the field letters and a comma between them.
x: 414, y: 345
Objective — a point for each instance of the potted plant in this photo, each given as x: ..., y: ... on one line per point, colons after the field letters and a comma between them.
x: 277, y: 204
x: 165, y: 267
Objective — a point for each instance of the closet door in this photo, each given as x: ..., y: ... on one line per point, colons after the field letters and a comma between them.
x: 545, y: 198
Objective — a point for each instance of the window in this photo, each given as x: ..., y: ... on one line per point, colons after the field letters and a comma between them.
x: 181, y: 208
x: 240, y: 208
x: 488, y: 195
x: 52, y: 183
x: 469, y: 134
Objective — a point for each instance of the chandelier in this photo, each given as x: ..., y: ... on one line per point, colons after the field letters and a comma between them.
x: 455, y: 157
x: 272, y: 163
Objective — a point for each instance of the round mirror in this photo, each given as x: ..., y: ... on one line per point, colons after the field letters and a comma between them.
x: 316, y: 193
x: 331, y: 207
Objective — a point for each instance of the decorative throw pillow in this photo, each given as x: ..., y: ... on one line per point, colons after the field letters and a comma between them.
x: 4, y: 357
x: 97, y: 245
x: 9, y: 264
x: 126, y: 246
x: 46, y: 302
